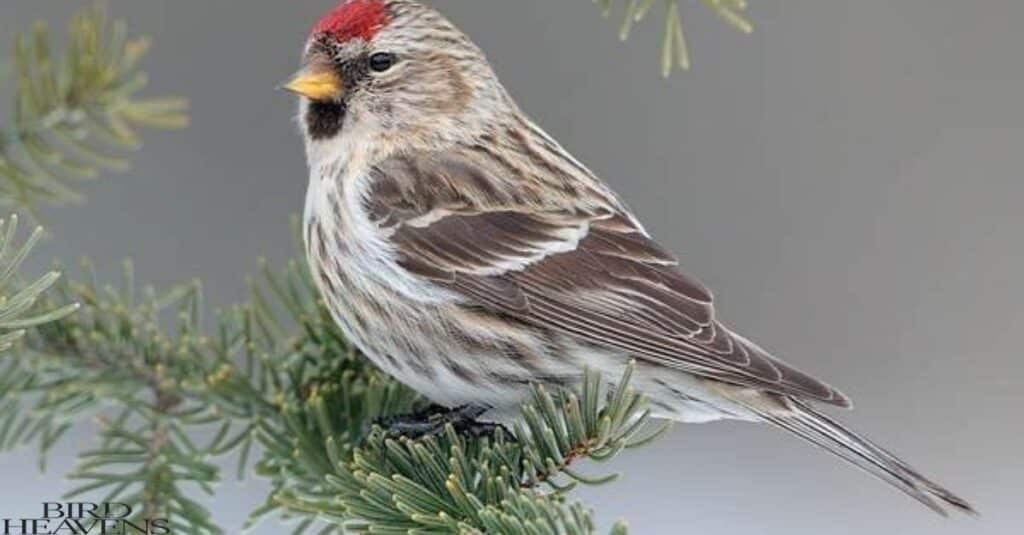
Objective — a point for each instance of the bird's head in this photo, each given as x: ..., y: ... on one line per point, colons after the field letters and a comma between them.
x: 390, y: 75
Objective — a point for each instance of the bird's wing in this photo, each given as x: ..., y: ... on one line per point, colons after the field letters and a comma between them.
x: 590, y: 273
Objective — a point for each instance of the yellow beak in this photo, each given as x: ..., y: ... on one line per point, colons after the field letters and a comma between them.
x: 319, y: 85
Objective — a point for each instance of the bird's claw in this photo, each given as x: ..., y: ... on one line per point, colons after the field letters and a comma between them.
x: 434, y: 420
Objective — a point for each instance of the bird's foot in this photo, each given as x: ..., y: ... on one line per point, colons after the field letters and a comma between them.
x: 434, y: 420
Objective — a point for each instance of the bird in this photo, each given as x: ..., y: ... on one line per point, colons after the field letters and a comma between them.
x: 469, y: 255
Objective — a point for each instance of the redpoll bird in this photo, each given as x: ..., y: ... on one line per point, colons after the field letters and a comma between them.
x: 469, y: 255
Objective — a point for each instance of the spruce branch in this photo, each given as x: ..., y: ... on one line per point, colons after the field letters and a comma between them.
x: 675, y: 51
x: 506, y: 484
x: 332, y: 470
x: 75, y: 115
x: 71, y: 117
x: 115, y: 353
x: 278, y: 378
x: 18, y: 312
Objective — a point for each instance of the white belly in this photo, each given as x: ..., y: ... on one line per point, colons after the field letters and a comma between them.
x: 400, y: 322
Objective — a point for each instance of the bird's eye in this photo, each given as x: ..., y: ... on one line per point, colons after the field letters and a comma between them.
x: 382, y: 61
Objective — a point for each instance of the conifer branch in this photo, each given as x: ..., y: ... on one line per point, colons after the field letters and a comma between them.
x: 279, y: 378
x: 675, y: 51
x: 73, y: 116
x: 324, y: 467
x: 18, y: 312
x: 113, y: 353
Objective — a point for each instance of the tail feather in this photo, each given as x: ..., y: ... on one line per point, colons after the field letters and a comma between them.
x: 819, y: 429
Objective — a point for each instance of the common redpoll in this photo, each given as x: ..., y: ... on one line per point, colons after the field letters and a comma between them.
x: 469, y: 255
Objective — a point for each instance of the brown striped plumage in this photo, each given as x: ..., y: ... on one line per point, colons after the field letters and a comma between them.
x: 468, y: 254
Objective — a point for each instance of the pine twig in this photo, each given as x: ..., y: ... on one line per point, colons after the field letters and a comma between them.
x: 114, y: 353
x: 72, y: 116
x: 328, y: 474
x: 279, y: 377
x: 18, y: 312
x: 675, y: 51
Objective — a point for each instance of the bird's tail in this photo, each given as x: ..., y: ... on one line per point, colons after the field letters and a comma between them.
x: 804, y: 421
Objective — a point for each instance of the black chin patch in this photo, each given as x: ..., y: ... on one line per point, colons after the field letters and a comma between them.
x: 324, y: 119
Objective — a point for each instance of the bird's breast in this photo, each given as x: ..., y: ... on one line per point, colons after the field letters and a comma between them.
x: 341, y: 236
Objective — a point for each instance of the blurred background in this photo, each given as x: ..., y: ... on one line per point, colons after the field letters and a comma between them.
x: 848, y: 179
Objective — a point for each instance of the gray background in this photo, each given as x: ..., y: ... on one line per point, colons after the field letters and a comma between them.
x: 848, y: 180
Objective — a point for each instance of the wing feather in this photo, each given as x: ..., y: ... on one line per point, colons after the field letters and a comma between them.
x: 593, y: 274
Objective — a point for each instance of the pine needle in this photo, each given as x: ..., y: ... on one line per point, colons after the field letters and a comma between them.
x: 675, y: 52
x: 75, y: 115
